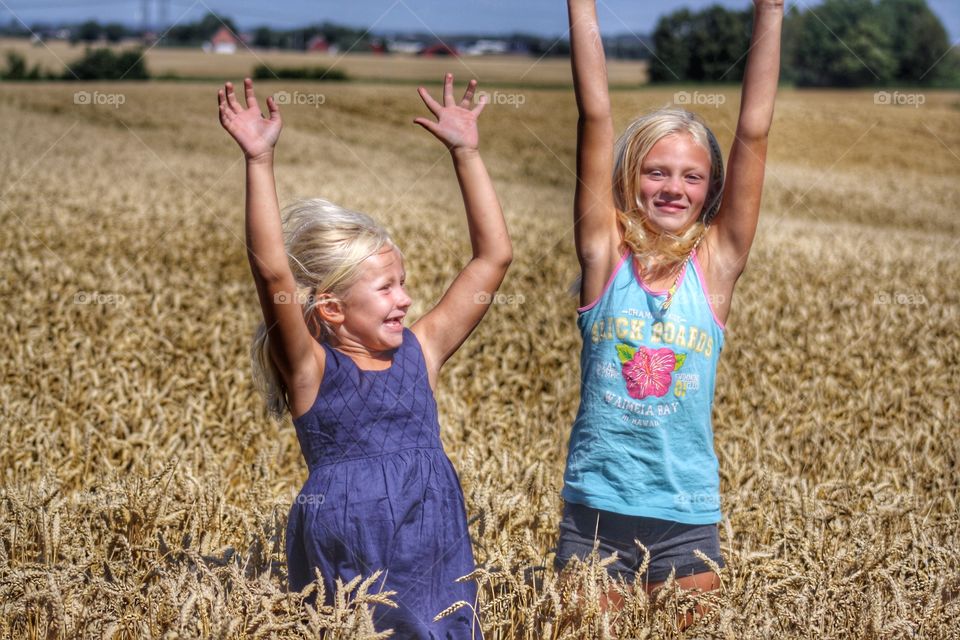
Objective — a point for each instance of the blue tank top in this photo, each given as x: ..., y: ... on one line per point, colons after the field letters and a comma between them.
x: 642, y: 442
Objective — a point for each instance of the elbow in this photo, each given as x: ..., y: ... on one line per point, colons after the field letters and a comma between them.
x: 499, y: 262
x: 753, y: 133
x: 503, y: 260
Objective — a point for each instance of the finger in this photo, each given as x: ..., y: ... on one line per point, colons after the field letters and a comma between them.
x: 448, y: 90
x: 232, y: 98
x: 477, y: 110
x: 468, y: 94
x: 428, y: 100
x: 224, y: 102
x: 248, y: 93
x: 429, y: 125
x: 273, y: 108
x: 226, y: 114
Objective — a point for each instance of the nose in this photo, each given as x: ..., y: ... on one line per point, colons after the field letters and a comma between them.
x: 403, y: 300
x: 673, y: 185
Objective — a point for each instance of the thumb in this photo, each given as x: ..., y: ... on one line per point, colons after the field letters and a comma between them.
x: 429, y: 125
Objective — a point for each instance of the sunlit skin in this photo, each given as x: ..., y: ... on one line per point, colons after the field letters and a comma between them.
x: 674, y: 177
x: 367, y: 321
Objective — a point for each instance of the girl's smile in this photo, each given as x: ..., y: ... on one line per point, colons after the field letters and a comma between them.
x: 375, y: 305
x: 674, y: 182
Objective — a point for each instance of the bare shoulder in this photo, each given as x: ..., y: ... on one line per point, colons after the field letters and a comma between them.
x: 303, y: 388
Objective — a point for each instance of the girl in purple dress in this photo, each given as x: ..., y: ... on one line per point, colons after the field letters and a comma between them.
x: 334, y: 352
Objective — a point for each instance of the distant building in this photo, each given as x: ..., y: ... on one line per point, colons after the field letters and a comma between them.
x: 223, y: 41
x: 404, y: 46
x: 318, y: 44
x: 485, y: 47
x: 440, y: 49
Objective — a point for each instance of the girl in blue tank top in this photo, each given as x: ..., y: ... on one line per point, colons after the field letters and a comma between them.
x: 333, y: 351
x: 661, y: 239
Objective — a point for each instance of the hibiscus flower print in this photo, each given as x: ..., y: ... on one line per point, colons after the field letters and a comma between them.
x: 648, y: 372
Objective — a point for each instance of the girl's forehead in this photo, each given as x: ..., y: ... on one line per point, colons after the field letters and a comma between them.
x: 385, y: 261
x: 678, y: 145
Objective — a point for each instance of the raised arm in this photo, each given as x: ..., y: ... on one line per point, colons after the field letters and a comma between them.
x: 736, y: 223
x: 444, y: 328
x: 594, y: 214
x: 291, y: 345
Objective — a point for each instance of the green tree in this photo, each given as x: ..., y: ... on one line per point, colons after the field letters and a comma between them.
x: 719, y: 41
x: 705, y: 46
x: 89, y: 31
x: 114, y: 32
x: 104, y: 64
x: 842, y: 43
x: 917, y: 39
x: 671, y: 46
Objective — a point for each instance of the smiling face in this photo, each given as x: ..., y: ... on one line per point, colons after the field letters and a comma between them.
x: 674, y: 179
x: 373, y: 307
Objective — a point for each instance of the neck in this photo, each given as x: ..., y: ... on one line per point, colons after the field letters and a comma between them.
x: 358, y: 352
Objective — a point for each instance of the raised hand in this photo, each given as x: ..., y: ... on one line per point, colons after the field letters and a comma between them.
x: 255, y: 134
x: 456, y: 124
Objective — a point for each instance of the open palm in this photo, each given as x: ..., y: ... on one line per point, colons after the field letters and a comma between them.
x: 456, y: 124
x: 255, y: 134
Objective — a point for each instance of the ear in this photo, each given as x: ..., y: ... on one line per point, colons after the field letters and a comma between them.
x: 330, y: 309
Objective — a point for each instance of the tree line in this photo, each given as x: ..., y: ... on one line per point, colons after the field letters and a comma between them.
x: 838, y: 43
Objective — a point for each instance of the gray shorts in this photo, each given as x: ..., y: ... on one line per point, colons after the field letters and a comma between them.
x: 671, y: 544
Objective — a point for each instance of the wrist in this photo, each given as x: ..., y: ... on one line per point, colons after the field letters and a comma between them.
x: 464, y: 153
x: 264, y: 158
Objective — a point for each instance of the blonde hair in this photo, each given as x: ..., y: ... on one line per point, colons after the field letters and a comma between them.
x: 325, y: 246
x: 651, y: 245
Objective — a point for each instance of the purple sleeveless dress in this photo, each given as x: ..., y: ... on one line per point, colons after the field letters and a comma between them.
x: 382, y: 494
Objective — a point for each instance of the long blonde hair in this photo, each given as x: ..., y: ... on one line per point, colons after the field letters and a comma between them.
x: 325, y: 246
x: 651, y: 245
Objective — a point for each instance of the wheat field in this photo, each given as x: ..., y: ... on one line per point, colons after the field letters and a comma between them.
x: 145, y: 495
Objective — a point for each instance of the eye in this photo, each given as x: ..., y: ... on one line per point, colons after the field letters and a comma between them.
x: 656, y: 173
x: 694, y: 178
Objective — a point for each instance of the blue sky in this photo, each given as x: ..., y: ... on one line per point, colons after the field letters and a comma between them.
x: 546, y: 17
